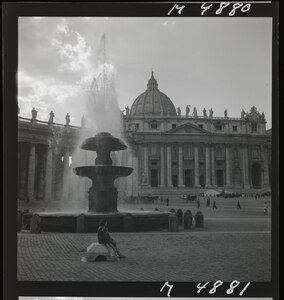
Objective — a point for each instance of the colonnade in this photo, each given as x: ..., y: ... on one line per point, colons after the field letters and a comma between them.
x: 43, y: 172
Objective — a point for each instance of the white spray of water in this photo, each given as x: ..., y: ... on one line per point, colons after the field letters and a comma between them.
x: 102, y: 113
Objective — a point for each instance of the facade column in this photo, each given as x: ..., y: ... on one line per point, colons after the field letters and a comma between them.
x: 135, y: 174
x: 65, y: 192
x: 48, y: 174
x: 266, y: 167
x: 145, y: 175
x: 245, y: 177
x: 196, y: 167
x: 213, y: 166
x: 180, y: 167
x: 228, y: 177
x: 163, y: 170
x: 31, y: 173
x: 207, y: 163
x: 169, y: 166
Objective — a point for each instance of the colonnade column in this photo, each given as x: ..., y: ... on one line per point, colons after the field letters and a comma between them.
x: 65, y: 191
x: 169, y: 166
x: 213, y: 166
x: 207, y: 163
x: 228, y: 177
x: 48, y: 174
x: 40, y: 173
x: 162, y: 166
x: 245, y: 177
x: 196, y: 167
x: 180, y: 167
x: 22, y: 171
x: 31, y: 173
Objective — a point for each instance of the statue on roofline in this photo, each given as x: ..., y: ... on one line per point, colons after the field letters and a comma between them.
x: 67, y: 118
x: 51, y: 116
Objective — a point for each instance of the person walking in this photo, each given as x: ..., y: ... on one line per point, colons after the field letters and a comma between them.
x: 208, y: 202
x: 105, y: 239
x: 265, y: 208
x: 239, y: 205
x: 198, y: 203
x: 167, y: 201
x: 214, y: 205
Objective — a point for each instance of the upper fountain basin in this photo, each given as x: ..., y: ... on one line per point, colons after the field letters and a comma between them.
x: 110, y: 171
x: 103, y: 140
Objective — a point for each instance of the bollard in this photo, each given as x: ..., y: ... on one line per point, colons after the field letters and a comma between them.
x: 81, y: 223
x: 173, y: 222
x: 187, y: 219
x: 19, y: 220
x: 179, y: 214
x: 35, y: 224
x: 199, y: 219
x: 128, y: 223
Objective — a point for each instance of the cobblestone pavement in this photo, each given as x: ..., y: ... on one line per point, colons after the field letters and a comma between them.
x: 227, y: 249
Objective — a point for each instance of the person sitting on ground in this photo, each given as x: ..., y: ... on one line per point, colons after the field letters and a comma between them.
x: 105, y: 239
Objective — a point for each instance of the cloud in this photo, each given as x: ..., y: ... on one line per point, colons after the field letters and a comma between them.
x: 167, y: 23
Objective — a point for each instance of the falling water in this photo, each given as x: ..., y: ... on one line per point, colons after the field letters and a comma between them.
x: 102, y: 113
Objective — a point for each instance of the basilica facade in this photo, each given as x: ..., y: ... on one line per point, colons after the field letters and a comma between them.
x: 171, y: 152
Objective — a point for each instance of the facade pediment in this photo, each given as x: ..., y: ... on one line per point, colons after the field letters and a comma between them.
x: 188, y: 128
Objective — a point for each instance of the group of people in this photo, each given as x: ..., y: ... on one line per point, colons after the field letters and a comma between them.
x: 214, y: 206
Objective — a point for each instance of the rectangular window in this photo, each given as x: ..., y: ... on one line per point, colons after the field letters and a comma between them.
x: 219, y: 127
x: 235, y: 128
x: 174, y: 126
x: 154, y: 126
x: 137, y: 126
x: 200, y: 126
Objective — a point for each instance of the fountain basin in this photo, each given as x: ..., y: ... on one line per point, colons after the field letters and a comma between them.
x: 117, y: 222
x: 103, y: 140
x: 97, y: 171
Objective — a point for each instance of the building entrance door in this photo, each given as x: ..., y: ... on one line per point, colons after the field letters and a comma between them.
x: 220, y: 178
x: 175, y: 180
x: 256, y: 175
x: 188, y: 177
x: 201, y: 180
x: 154, y: 177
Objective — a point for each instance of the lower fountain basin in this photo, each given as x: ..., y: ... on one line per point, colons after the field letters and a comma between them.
x: 89, y: 222
x: 95, y: 171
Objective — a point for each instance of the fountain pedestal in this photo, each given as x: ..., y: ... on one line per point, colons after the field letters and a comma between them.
x: 103, y: 199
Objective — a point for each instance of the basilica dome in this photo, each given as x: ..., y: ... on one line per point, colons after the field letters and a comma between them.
x: 153, y: 102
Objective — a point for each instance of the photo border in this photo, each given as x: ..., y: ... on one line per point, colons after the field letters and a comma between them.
x: 14, y: 288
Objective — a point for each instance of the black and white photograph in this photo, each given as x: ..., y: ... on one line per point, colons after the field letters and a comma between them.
x: 159, y: 127
x: 145, y: 150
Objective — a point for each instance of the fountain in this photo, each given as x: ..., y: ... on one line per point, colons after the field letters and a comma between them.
x: 102, y: 197
x: 103, y: 194
x: 103, y: 115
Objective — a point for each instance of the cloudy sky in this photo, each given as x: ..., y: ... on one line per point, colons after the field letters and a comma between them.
x: 223, y: 63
